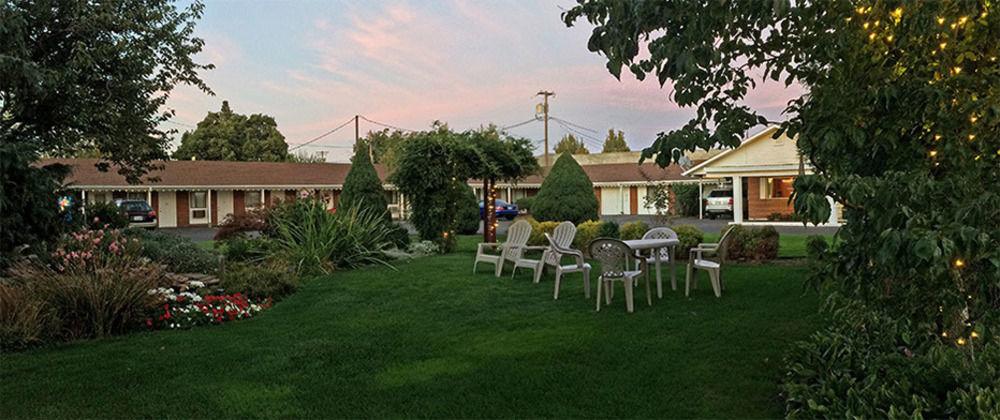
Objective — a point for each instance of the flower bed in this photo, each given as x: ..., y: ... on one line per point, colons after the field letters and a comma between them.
x: 188, y: 309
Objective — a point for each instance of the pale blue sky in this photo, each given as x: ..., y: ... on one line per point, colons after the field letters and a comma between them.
x: 315, y: 64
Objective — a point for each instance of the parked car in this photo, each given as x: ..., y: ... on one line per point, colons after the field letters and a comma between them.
x: 504, y: 209
x: 719, y: 202
x: 139, y: 213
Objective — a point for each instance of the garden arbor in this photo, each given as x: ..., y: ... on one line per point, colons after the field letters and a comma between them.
x: 433, y: 165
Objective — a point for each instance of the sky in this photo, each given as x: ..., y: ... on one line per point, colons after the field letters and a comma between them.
x: 314, y: 65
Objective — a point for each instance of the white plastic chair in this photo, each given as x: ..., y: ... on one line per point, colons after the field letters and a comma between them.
x: 564, y: 232
x: 554, y: 258
x: 613, y: 256
x: 697, y: 261
x: 643, y: 262
x: 517, y: 239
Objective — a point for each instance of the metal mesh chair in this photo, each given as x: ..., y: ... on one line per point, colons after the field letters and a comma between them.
x: 613, y: 256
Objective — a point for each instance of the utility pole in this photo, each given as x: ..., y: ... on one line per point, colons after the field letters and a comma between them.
x: 545, y: 109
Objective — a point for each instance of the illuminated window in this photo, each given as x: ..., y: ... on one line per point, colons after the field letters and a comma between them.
x: 252, y: 199
x: 776, y: 187
x: 199, y: 205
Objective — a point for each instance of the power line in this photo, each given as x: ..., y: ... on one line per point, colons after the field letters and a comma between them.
x: 584, y: 137
x: 385, y: 125
x: 575, y: 125
x: 326, y: 146
x: 323, y: 135
x: 520, y: 124
x: 179, y: 123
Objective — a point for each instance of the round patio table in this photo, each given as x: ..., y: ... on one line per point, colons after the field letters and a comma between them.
x: 654, y: 246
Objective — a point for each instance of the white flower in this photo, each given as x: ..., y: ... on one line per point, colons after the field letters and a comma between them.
x: 196, y: 284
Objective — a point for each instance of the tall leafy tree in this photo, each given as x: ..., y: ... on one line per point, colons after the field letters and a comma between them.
x: 362, y: 187
x: 569, y: 143
x: 900, y: 125
x: 566, y: 194
x: 385, y: 145
x: 80, y: 75
x: 615, y: 142
x: 226, y: 135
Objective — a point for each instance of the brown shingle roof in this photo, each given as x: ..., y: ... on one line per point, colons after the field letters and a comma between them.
x: 182, y: 173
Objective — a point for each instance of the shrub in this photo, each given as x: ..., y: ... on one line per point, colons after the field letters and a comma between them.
x: 816, y: 246
x: 566, y: 194
x: 259, y: 281
x: 754, y: 243
x: 780, y: 217
x: 363, y: 188
x: 253, y: 220
x: 538, y: 231
x: 96, y: 285
x: 633, y: 230
x: 24, y: 319
x: 468, y: 219
x: 868, y: 365
x: 689, y: 237
x: 424, y: 248
x: 105, y: 215
x: 525, y: 203
x: 398, y: 236
x: 29, y: 214
x: 686, y: 199
x: 178, y: 254
x: 610, y: 229
x: 316, y: 241
x: 242, y: 249
x: 586, y: 232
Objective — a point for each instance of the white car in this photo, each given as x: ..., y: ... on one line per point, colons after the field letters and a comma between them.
x: 719, y: 202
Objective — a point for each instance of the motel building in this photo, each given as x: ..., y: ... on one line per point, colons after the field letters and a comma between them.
x: 202, y: 193
x: 760, y: 172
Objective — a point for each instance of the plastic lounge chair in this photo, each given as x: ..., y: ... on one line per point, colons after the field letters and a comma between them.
x: 698, y: 260
x: 613, y: 256
x: 517, y: 238
x: 554, y: 258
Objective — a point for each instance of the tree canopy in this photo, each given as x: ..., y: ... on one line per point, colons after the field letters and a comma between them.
x: 615, y: 142
x: 434, y: 166
x: 566, y: 194
x: 363, y: 188
x: 385, y: 145
x: 87, y: 75
x: 226, y: 135
x: 899, y: 123
x: 569, y: 143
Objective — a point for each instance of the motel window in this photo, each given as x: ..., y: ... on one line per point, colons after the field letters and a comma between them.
x: 391, y: 197
x: 252, y: 199
x: 776, y: 187
x: 199, y: 205
x: 99, y: 197
x: 137, y: 195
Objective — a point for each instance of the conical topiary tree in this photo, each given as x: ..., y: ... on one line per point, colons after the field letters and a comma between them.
x: 363, y: 188
x: 566, y: 195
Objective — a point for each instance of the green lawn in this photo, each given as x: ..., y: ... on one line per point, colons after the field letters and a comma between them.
x: 433, y: 340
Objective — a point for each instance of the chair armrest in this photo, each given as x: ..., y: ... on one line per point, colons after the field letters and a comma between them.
x: 495, y: 245
x: 539, y: 248
x: 707, y: 245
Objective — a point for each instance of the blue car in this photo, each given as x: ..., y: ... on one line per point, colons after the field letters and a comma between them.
x: 504, y: 209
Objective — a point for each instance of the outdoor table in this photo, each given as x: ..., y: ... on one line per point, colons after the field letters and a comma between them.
x: 654, y: 246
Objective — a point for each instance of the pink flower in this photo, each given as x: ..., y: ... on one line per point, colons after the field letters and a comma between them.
x: 124, y: 240
x: 96, y: 240
x: 135, y: 240
x: 96, y: 219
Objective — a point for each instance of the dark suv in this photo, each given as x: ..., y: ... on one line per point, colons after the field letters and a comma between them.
x: 139, y: 213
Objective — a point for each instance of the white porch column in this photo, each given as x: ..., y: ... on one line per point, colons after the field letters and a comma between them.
x: 262, y: 198
x: 701, y: 199
x: 510, y: 197
x: 833, y: 211
x: 149, y: 196
x: 208, y: 203
x: 621, y: 199
x: 737, y: 199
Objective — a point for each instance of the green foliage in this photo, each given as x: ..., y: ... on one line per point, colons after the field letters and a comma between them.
x: 538, y: 231
x: 177, y: 253
x: 28, y: 202
x: 609, y: 229
x: 753, y: 243
x: 313, y: 240
x: 686, y: 199
x: 525, y: 203
x: 399, y: 237
x: 24, y: 318
x: 259, y: 281
x: 226, y: 135
x: 385, y: 146
x: 689, y: 237
x: 633, y: 230
x: 569, y: 143
x: 468, y: 211
x: 243, y: 249
x: 586, y: 232
x: 615, y: 142
x: 235, y: 225
x: 566, y: 194
x: 868, y: 365
x: 434, y: 166
x: 816, y: 246
x: 896, y: 121
x: 107, y: 214
x: 363, y: 188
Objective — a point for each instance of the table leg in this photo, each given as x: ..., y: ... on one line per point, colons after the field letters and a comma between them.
x: 659, y: 278
x: 673, y: 271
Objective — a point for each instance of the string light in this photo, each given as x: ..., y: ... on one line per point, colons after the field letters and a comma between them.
x: 898, y: 12
x: 957, y: 70
x: 933, y: 153
x: 944, y: 44
x: 972, y: 137
x: 865, y: 25
x: 963, y: 20
x: 871, y: 36
x: 960, y: 341
x: 959, y: 262
x: 974, y: 335
x: 973, y: 119
x: 940, y: 21
x: 944, y: 333
x: 937, y: 137
x: 888, y: 38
